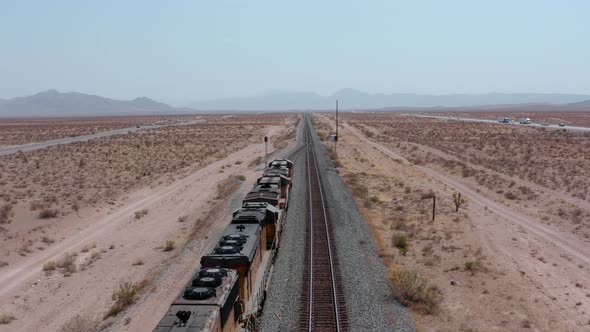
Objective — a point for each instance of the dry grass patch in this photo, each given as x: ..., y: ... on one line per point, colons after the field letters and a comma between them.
x: 170, y: 245
x: 48, y: 213
x: 6, y: 319
x: 141, y: 213
x: 80, y: 323
x: 49, y: 266
x: 126, y: 295
x: 472, y: 266
x: 414, y: 291
x: 400, y: 241
x: 47, y: 240
x: 6, y: 213
x: 67, y: 264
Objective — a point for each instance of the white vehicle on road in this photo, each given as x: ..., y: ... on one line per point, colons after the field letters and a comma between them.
x: 524, y: 121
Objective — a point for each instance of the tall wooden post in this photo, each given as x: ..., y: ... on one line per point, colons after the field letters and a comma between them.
x: 433, y: 206
x: 336, y: 137
x: 265, y: 151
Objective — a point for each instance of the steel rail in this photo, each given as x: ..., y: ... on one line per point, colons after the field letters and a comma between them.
x: 324, y: 307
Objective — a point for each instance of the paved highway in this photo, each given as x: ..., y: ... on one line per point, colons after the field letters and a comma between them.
x: 6, y: 150
x: 454, y: 118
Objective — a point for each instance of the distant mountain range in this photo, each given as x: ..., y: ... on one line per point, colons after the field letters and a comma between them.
x: 54, y: 103
x: 354, y: 99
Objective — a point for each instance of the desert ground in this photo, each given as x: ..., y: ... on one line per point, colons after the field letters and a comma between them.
x: 17, y: 131
x: 85, y: 221
x: 516, y: 255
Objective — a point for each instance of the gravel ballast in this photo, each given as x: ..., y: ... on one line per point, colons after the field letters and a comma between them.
x: 370, y: 304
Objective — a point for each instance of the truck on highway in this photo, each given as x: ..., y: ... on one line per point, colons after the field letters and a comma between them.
x: 504, y: 119
x: 524, y: 121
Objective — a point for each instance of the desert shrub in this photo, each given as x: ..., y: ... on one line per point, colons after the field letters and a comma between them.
x: 360, y: 190
x: 471, y: 266
x: 375, y: 199
x: 47, y: 240
x: 138, y: 262
x: 80, y: 323
x: 6, y: 319
x: 49, y: 266
x: 241, y: 177
x: 170, y: 245
x: 401, y: 242
x: 510, y: 195
x: 182, y: 218
x: 48, y: 213
x: 139, y: 214
x: 125, y: 296
x: 67, y: 264
x: 6, y: 213
x: 414, y: 291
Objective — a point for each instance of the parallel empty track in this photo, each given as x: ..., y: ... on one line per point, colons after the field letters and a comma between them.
x: 322, y: 300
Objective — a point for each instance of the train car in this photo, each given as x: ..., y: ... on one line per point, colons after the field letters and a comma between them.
x: 278, y: 163
x: 282, y: 171
x: 263, y: 214
x: 208, y: 303
x: 279, y: 180
x: 264, y: 193
x: 240, y: 248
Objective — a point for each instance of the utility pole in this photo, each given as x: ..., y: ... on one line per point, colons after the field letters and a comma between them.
x: 336, y: 137
x: 265, y: 151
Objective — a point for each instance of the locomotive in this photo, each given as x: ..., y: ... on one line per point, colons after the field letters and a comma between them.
x: 227, y: 291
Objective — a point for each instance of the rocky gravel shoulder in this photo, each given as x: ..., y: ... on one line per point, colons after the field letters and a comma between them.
x: 281, y: 310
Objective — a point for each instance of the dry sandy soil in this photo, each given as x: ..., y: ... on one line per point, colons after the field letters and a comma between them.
x: 62, y: 271
x: 501, y: 263
x: 581, y: 118
x: 21, y: 131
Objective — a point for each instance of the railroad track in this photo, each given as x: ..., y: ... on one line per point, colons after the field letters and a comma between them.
x: 322, y: 300
x: 297, y: 152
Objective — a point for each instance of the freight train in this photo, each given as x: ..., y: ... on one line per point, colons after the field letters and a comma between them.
x: 227, y: 292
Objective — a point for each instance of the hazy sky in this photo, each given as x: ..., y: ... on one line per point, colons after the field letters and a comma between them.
x: 179, y: 51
